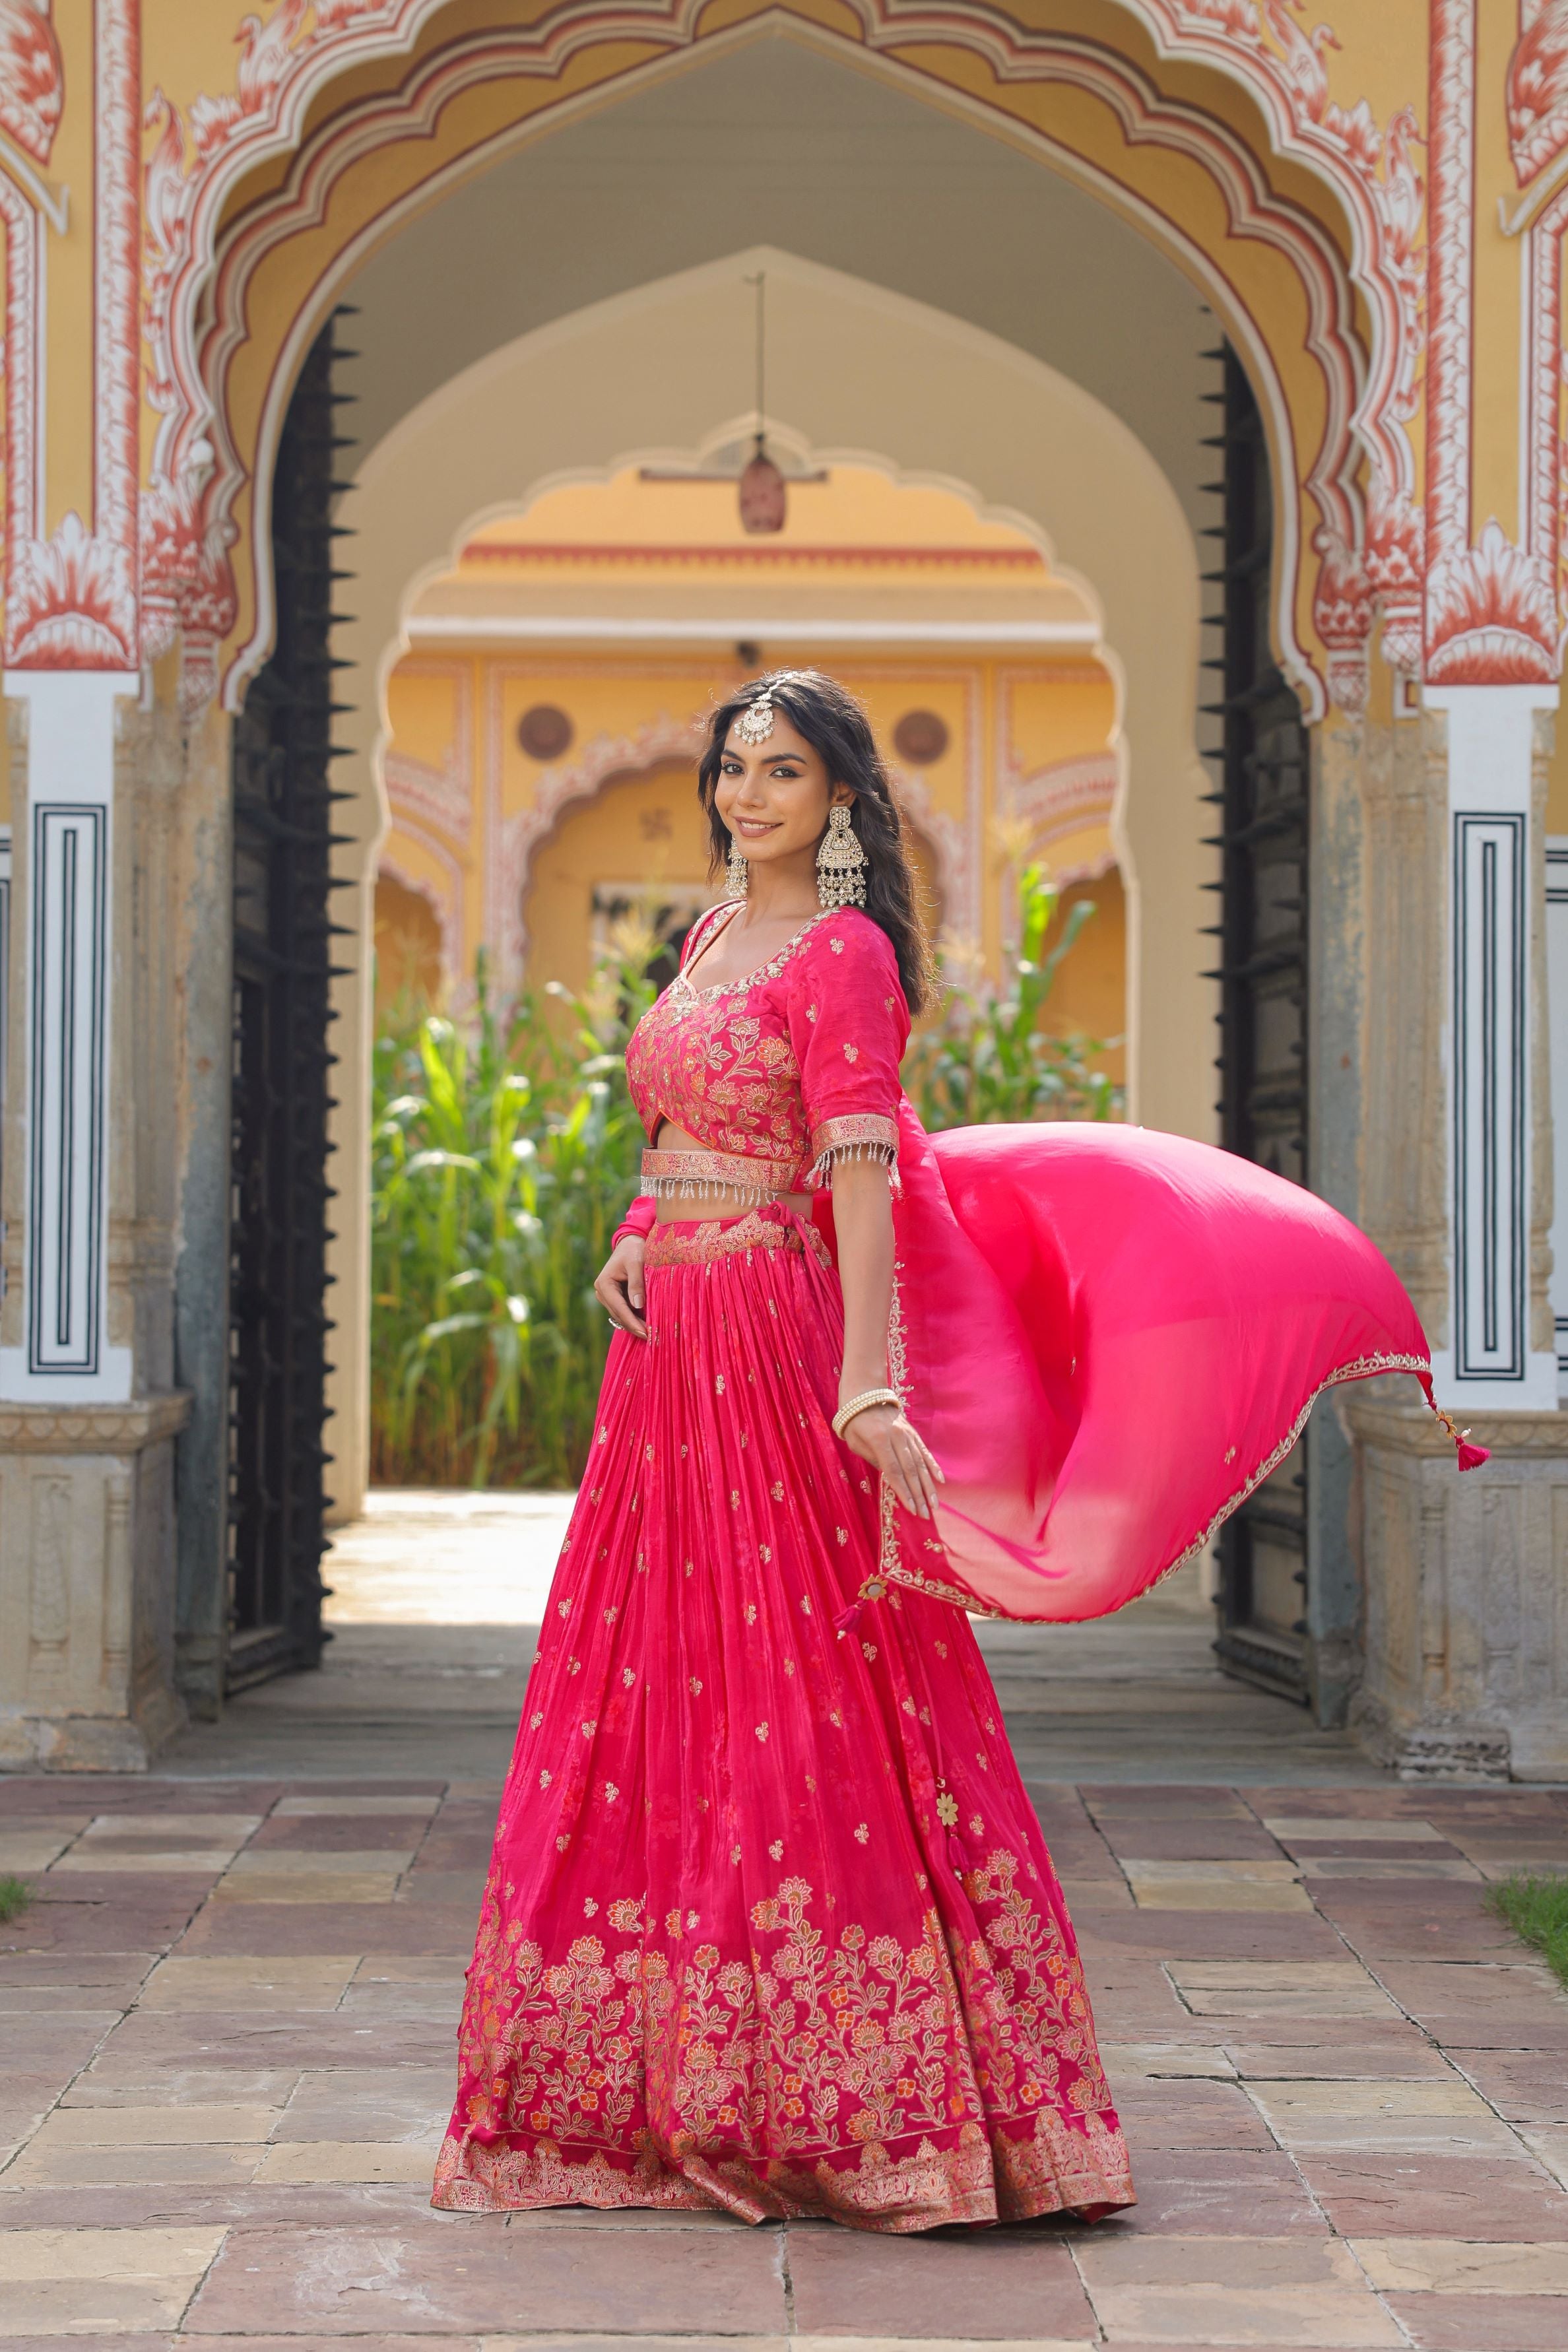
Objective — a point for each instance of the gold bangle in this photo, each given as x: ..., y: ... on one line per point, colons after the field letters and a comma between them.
x: 846, y: 1412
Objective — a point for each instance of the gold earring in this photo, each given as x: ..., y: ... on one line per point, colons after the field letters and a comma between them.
x: 840, y: 864
x: 737, y: 872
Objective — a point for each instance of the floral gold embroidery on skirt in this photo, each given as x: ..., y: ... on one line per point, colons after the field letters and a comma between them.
x: 728, y: 1953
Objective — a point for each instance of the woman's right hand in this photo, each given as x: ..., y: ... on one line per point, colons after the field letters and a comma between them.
x: 619, y: 1289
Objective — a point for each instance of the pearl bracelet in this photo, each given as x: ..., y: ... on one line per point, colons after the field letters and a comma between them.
x: 846, y: 1412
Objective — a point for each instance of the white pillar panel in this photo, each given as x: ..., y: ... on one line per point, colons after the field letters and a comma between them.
x: 1489, y: 1363
x: 1557, y: 1001
x: 65, y: 1357
x: 4, y: 1013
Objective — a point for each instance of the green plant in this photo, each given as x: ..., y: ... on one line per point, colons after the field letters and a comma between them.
x: 1537, y: 1911
x: 15, y: 1895
x: 503, y: 1154
x: 990, y: 1057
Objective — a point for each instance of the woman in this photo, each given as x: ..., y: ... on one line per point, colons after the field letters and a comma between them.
x: 771, y: 1925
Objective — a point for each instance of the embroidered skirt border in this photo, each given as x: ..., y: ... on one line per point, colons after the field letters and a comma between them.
x: 1014, y: 2173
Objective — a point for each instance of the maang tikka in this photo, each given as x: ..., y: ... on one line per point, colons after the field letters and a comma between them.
x: 755, y: 724
x: 840, y: 864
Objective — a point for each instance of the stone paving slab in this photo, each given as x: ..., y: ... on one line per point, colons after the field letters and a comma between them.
x: 341, y: 2282
x: 1007, y: 2284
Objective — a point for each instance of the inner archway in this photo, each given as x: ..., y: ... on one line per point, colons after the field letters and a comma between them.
x: 630, y: 381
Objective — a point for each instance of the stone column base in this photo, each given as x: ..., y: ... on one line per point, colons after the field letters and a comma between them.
x: 87, y: 1584
x: 1465, y: 1646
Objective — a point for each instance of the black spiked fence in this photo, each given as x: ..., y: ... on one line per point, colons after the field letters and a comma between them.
x: 283, y: 969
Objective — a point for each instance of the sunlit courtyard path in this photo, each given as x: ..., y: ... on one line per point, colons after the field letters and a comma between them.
x: 226, y: 2025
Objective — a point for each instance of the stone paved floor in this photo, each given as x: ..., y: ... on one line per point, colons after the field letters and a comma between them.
x: 436, y: 1599
x: 225, y: 2063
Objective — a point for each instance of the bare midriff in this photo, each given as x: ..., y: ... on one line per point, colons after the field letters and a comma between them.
x: 711, y: 1200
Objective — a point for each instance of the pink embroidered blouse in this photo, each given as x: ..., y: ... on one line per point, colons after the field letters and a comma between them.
x: 781, y: 1072
x: 1158, y: 1315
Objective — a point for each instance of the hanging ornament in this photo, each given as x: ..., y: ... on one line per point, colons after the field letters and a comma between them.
x: 765, y: 501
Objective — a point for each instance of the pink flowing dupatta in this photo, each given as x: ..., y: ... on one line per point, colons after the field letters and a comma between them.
x: 1109, y: 1336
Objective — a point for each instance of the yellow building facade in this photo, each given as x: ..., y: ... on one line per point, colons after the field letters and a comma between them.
x: 1212, y: 355
x: 536, y: 779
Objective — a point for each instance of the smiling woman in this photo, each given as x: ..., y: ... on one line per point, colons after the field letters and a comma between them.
x: 734, y: 1951
x: 770, y: 1924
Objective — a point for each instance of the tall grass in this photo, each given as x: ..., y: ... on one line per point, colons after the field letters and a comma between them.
x: 504, y: 1151
x: 992, y: 1056
x: 503, y: 1155
x: 1536, y: 1909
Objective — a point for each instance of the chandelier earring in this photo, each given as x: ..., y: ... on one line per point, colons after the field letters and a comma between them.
x: 840, y: 864
x: 737, y: 872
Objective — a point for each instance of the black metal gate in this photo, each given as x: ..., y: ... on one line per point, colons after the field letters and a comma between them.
x: 1261, y: 769
x: 281, y: 1073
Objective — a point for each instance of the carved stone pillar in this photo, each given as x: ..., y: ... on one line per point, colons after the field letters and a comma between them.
x: 1465, y: 1654
x: 87, y: 1595
x: 88, y: 1412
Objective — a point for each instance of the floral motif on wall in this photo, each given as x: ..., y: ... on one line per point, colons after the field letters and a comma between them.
x: 31, y: 78
x: 1537, y: 86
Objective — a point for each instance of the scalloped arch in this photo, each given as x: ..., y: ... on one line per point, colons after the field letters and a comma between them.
x: 1366, y: 538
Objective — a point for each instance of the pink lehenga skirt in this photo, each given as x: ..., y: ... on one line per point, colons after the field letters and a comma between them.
x: 770, y: 1924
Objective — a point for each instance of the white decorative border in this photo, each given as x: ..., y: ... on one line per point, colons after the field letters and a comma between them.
x: 1557, y: 1026
x: 1487, y: 1360
x: 68, y: 900
x: 4, y: 1022
x: 66, y: 1356
x: 1490, y: 1156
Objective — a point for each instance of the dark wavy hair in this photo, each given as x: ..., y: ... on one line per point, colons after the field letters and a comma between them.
x: 836, y: 726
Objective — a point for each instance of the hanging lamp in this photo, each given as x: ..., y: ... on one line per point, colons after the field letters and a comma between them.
x: 764, y: 499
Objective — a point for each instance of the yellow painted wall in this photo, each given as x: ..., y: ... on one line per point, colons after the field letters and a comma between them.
x: 646, y: 828
x: 408, y: 973
x: 1006, y: 722
x: 1089, y: 997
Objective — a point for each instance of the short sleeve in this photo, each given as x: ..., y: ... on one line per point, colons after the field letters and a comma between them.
x: 848, y: 1025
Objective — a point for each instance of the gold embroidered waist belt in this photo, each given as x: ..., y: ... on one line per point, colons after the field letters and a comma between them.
x: 667, y: 1175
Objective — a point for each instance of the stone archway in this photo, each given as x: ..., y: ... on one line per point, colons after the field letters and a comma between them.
x: 628, y: 380
x: 1214, y: 136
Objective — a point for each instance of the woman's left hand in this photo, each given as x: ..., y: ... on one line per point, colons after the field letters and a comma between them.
x: 881, y: 1436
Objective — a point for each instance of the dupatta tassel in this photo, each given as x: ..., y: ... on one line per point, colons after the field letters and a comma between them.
x: 872, y: 1589
x: 1470, y: 1457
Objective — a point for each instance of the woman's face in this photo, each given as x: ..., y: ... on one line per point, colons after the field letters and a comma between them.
x: 774, y: 796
